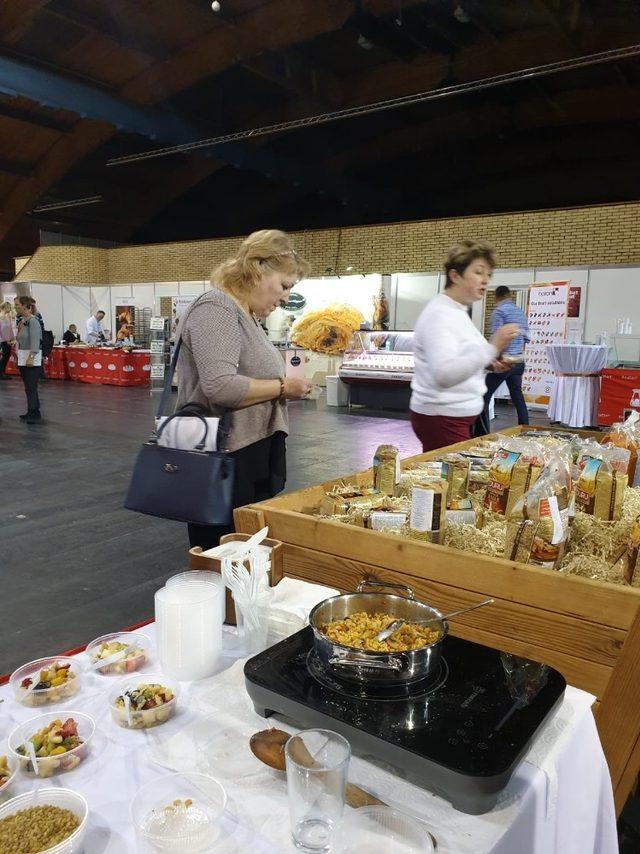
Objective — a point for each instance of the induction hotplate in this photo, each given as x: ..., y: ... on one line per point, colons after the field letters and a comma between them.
x: 460, y: 733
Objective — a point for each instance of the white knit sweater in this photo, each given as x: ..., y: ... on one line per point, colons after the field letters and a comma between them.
x: 451, y: 357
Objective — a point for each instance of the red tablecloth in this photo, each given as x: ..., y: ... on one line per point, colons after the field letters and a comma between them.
x: 99, y: 365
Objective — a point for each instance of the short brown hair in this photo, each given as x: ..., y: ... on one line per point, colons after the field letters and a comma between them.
x: 268, y: 250
x: 27, y: 302
x: 464, y: 253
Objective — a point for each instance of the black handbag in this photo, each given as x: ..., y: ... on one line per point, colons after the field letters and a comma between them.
x: 187, y: 486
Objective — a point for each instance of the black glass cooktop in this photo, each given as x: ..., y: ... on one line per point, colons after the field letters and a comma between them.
x: 461, y: 733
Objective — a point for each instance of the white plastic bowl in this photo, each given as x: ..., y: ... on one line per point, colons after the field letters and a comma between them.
x: 381, y: 830
x: 144, y: 718
x: 50, y: 765
x: 63, y: 798
x: 127, y: 665
x: 175, y: 831
x: 45, y: 696
x: 5, y: 787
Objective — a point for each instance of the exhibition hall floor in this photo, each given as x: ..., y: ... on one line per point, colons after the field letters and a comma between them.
x: 73, y: 563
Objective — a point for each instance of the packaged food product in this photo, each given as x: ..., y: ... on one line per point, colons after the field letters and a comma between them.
x: 514, y: 469
x: 142, y: 705
x: 381, y: 520
x: 538, y: 526
x: 631, y: 558
x: 626, y: 435
x: 460, y: 512
x: 428, y: 508
x: 455, y: 470
x: 386, y: 469
x: 5, y: 771
x: 600, y: 487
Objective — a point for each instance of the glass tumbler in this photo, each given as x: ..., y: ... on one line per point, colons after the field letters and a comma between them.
x: 317, y: 762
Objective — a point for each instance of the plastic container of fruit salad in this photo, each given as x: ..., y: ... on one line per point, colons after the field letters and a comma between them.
x: 122, y: 652
x: 8, y: 771
x: 53, y: 763
x: 136, y: 717
x: 46, y: 680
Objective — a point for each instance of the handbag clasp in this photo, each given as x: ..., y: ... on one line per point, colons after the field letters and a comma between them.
x: 170, y: 468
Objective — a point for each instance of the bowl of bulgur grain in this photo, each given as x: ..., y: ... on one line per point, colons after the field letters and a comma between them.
x: 46, y: 821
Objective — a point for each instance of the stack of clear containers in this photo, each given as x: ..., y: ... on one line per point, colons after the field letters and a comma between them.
x: 189, y: 612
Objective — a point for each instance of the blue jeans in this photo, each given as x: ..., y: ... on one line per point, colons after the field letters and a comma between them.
x: 513, y: 379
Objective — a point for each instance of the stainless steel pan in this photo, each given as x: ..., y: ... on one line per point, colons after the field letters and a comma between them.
x: 362, y: 666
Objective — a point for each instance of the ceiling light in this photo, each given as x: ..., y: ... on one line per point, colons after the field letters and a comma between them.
x: 216, y: 6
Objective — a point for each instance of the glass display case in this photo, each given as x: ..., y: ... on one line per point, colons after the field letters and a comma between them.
x: 384, y: 357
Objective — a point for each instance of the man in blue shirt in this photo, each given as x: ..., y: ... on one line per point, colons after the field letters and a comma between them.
x: 506, y: 311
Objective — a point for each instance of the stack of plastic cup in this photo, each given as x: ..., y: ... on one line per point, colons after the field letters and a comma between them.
x: 189, y: 618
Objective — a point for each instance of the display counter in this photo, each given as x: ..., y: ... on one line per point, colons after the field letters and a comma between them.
x: 98, y: 365
x: 619, y: 394
x: 378, y: 368
x: 588, y: 630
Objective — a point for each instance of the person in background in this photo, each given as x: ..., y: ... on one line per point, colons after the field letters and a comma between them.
x: 7, y: 336
x: 95, y: 333
x: 451, y: 355
x: 506, y: 311
x: 71, y: 336
x: 227, y: 363
x: 29, y: 347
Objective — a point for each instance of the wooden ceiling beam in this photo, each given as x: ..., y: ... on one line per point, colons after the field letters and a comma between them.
x: 12, y: 167
x: 84, y: 138
x: 272, y: 26
x: 33, y: 119
x: 130, y: 36
x: 17, y: 17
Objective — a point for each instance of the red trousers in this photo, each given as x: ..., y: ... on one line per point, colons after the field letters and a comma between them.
x: 438, y: 431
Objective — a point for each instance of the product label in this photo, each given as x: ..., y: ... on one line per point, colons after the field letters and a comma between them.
x: 586, y: 485
x: 422, y: 509
x: 380, y: 519
x: 549, y: 507
x: 544, y: 553
x: 497, y: 494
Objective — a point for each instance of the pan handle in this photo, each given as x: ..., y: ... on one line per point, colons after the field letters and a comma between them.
x: 366, y: 582
x: 396, y: 663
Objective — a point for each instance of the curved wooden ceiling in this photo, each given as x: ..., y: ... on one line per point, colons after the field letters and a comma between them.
x: 82, y: 81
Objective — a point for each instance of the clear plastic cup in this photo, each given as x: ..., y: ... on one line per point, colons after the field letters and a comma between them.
x: 137, y: 653
x: 143, y: 718
x: 317, y: 761
x: 201, y: 576
x: 381, y: 830
x: 189, y: 630
x: 179, y: 812
x: 50, y: 765
x: 8, y: 771
x: 31, y: 697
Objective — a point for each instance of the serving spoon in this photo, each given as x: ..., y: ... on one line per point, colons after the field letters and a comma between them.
x: 268, y: 746
x: 393, y: 627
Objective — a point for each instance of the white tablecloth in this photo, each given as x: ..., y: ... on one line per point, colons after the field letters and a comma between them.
x: 559, y: 800
x: 574, y: 400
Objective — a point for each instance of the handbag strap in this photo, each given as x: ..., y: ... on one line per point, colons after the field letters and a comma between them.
x: 224, y: 424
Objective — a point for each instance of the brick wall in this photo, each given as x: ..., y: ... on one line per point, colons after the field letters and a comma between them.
x: 606, y: 234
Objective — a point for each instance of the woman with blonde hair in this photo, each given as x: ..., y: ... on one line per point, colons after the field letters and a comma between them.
x: 7, y: 335
x: 227, y: 364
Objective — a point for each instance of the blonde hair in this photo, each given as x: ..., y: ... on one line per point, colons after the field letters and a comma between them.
x: 266, y: 251
x: 7, y: 308
x: 464, y: 253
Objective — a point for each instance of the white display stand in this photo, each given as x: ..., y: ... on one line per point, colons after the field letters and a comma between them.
x: 576, y: 390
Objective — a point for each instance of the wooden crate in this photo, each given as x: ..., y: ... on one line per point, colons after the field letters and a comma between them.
x: 588, y: 630
x: 198, y: 560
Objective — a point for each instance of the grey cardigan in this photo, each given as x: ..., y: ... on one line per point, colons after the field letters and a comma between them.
x: 222, y: 349
x: 30, y: 336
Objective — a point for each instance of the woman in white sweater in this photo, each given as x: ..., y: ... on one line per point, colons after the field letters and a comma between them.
x: 451, y: 355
